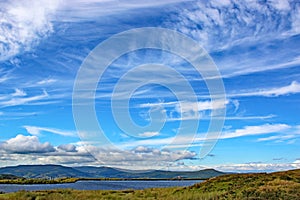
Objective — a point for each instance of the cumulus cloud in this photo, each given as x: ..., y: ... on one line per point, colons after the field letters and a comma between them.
x: 140, y: 156
x: 26, y: 144
x: 34, y: 151
x: 67, y: 147
x: 23, y: 24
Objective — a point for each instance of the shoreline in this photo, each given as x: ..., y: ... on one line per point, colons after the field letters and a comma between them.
x: 74, y: 180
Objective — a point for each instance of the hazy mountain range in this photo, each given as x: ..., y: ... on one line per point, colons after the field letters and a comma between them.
x: 56, y: 171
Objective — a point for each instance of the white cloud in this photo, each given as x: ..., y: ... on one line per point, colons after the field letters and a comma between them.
x: 23, y: 24
x: 19, y: 93
x: 26, y: 144
x: 185, y: 141
x: 296, y: 21
x: 222, y: 26
x: 187, y: 107
x: 293, y: 88
x: 3, y: 79
x: 188, y: 110
x: 16, y: 115
x: 276, y: 137
x: 257, y: 167
x: 84, y: 10
x: 19, y: 97
x: 149, y: 134
x: 5, y: 75
x: 219, y: 24
x: 46, y: 81
x: 255, y: 130
x: 140, y: 156
x: 286, y: 136
x: 250, y: 117
x: 281, y: 5
x: 34, y: 130
x: 67, y: 147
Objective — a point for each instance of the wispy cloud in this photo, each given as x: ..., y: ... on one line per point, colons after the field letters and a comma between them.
x: 238, y: 26
x: 287, y: 136
x: 293, y: 88
x: 34, y: 130
x: 149, y: 134
x: 255, y: 130
x: 4, y: 74
x: 233, y: 68
x: 23, y: 24
x: 219, y: 25
x: 3, y: 79
x: 18, y: 93
x: 16, y: 115
x: 84, y: 10
x: 187, y: 110
x: 46, y: 81
x: 19, y: 97
x: 263, y: 117
x: 185, y: 141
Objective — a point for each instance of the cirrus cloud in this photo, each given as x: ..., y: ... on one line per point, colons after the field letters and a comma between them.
x: 23, y: 24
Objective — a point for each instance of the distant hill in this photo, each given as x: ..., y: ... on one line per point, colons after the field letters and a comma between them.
x: 42, y: 171
x: 58, y: 171
x: 107, y: 172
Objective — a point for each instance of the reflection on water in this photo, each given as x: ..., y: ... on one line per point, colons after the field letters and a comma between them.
x: 98, y: 185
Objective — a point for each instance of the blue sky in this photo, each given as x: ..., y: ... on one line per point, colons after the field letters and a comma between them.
x: 254, y: 44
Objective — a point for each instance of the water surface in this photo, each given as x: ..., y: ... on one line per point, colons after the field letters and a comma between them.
x: 98, y: 185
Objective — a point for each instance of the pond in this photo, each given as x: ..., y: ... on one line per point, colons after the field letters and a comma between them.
x: 99, y: 185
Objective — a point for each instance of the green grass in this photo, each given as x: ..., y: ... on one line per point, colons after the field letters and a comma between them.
x: 279, y: 185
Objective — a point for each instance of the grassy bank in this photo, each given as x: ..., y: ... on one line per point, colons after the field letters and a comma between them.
x: 279, y: 185
x: 37, y: 181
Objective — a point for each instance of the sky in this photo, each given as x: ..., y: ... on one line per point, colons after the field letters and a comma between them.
x: 254, y: 46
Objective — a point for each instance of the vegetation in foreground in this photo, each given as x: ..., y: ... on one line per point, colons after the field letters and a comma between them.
x: 278, y: 185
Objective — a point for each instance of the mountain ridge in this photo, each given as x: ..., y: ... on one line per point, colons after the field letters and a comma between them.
x: 59, y: 171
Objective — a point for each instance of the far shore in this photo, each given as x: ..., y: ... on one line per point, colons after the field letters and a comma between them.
x: 24, y: 181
